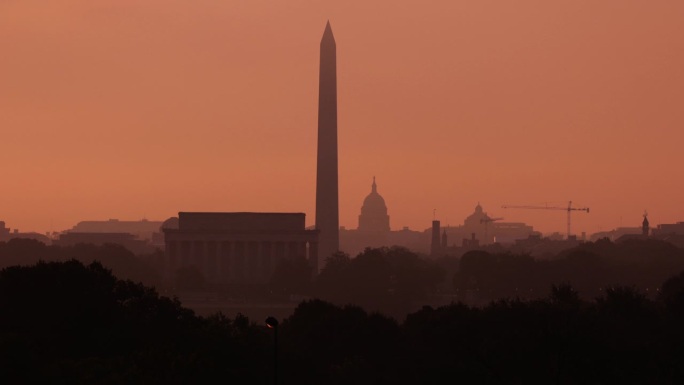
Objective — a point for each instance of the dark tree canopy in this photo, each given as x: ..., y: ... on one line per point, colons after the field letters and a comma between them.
x: 72, y: 323
x: 591, y: 268
x: 387, y: 279
x: 291, y: 276
x: 120, y: 260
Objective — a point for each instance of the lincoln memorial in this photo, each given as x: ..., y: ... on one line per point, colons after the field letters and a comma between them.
x: 237, y: 248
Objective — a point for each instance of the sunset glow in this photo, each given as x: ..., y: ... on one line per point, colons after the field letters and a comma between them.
x: 132, y: 109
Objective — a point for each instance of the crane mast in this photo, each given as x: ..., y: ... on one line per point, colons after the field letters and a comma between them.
x: 569, y: 209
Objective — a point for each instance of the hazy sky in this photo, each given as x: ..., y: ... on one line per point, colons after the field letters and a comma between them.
x: 143, y: 108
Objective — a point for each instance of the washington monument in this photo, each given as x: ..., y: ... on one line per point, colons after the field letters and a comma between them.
x: 327, y: 211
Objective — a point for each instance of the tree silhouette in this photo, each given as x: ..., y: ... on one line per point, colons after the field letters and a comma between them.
x: 291, y: 276
x: 66, y: 322
x: 392, y: 280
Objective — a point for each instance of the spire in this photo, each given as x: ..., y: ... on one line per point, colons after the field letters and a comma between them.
x: 374, y: 187
x: 435, y: 246
x: 328, y: 35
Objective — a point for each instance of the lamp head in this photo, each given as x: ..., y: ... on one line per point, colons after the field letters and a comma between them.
x: 271, y: 322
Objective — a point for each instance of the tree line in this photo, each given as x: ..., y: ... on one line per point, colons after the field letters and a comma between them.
x: 66, y: 322
x: 591, y: 268
x: 395, y: 280
x: 124, y: 263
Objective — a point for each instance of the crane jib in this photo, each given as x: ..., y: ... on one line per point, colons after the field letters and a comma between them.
x: 569, y: 209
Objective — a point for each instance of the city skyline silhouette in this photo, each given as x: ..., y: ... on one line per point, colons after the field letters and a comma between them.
x: 476, y: 192
x: 127, y: 111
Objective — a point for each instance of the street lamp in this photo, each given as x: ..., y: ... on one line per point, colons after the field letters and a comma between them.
x: 272, y: 323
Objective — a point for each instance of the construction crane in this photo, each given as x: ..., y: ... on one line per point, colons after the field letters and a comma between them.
x: 486, y: 221
x: 569, y: 209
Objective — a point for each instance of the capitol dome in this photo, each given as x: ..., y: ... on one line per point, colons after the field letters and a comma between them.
x: 374, y: 212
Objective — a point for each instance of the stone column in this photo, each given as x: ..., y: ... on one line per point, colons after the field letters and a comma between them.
x: 186, y: 253
x: 313, y: 257
x: 200, y: 254
x: 267, y: 260
x: 226, y: 266
x: 212, y: 261
x: 239, y: 261
x: 253, y: 261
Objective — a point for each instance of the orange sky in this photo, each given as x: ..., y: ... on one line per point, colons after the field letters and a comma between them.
x: 143, y: 108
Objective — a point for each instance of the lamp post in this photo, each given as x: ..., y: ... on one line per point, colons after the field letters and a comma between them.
x: 272, y: 323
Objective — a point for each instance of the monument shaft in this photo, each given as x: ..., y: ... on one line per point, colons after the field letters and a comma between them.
x: 327, y: 202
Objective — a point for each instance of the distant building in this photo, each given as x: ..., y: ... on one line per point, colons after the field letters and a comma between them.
x: 617, y: 233
x: 475, y: 225
x: 436, y: 248
x: 510, y: 232
x: 140, y: 237
x: 470, y: 244
x: 645, y: 226
x: 478, y: 229
x: 237, y: 248
x: 411, y: 239
x: 539, y: 247
x: 483, y: 228
x: 374, y: 218
x: 669, y: 229
x: 373, y: 228
x: 142, y: 229
x: 129, y: 241
x: 670, y: 232
x: 6, y: 234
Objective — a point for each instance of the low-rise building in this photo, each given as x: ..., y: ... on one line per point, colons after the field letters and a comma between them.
x: 237, y: 248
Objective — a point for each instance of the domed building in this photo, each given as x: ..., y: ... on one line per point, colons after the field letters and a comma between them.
x: 476, y: 224
x: 374, y: 216
x: 374, y: 227
x: 479, y: 229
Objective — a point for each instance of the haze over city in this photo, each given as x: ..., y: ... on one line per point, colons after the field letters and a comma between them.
x: 341, y: 192
x: 131, y: 109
